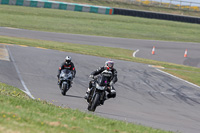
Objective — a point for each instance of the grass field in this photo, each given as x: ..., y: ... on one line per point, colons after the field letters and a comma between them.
x: 19, y: 114
x: 97, y: 24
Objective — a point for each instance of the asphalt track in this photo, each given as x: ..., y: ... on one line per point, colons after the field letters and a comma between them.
x: 164, y: 50
x: 144, y: 95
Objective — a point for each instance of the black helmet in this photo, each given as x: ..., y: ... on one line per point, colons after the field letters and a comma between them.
x: 68, y: 59
x: 109, y: 64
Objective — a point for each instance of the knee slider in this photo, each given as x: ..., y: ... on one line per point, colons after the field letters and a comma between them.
x: 112, y: 94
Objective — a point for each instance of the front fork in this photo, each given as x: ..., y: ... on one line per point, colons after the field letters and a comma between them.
x: 68, y: 83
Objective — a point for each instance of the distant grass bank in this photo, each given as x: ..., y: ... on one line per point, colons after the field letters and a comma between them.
x: 61, y: 21
x: 191, y: 74
x: 19, y: 114
x: 139, y: 6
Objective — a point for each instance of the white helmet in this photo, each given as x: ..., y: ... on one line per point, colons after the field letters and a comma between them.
x: 109, y: 64
x: 68, y: 59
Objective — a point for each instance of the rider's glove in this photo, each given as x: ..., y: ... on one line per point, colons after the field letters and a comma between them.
x: 111, y: 83
x: 91, y: 76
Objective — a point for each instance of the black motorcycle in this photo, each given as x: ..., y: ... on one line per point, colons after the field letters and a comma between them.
x: 97, y: 96
x: 66, y: 77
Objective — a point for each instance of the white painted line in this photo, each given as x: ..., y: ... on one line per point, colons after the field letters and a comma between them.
x: 12, y: 59
x: 135, y: 52
x: 179, y: 78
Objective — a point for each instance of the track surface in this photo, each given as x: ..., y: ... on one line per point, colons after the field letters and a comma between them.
x: 165, y: 51
x: 144, y: 95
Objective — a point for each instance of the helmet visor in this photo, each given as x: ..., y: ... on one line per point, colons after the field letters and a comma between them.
x: 110, y: 65
x: 68, y: 61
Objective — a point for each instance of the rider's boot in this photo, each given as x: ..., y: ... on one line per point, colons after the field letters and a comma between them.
x: 71, y: 83
x: 58, y: 82
x: 105, y: 98
x: 58, y: 79
x: 87, y: 93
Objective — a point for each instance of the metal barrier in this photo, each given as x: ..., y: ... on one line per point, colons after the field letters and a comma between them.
x: 155, y: 15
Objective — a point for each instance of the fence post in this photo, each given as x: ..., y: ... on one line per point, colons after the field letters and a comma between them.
x: 140, y: 2
x: 170, y: 4
x: 190, y: 6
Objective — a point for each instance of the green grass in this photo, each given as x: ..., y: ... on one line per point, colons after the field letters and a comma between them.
x: 122, y: 54
x: 18, y: 113
x: 69, y: 47
x: 187, y: 75
x: 53, y: 20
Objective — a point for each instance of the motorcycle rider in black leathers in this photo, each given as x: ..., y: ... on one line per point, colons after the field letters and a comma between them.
x: 109, y: 68
x: 68, y: 64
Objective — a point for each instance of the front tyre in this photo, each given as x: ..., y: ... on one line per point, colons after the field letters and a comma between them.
x: 64, y: 88
x: 95, y: 102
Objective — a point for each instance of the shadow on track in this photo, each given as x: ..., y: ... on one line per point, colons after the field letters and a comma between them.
x: 74, y: 96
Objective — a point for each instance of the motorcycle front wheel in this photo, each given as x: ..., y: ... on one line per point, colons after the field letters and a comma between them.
x: 95, y: 102
x: 64, y: 88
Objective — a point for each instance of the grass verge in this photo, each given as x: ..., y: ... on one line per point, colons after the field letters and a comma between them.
x: 53, y: 20
x: 18, y: 113
x: 187, y: 75
x: 191, y: 74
